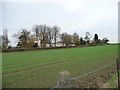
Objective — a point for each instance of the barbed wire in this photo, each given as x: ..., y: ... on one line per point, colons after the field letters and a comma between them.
x: 93, y: 71
x: 87, y: 73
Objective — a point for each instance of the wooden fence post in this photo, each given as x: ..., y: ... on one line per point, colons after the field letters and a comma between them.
x: 118, y: 67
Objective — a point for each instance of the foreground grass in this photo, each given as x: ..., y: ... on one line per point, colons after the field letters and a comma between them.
x: 113, y: 82
x: 36, y: 69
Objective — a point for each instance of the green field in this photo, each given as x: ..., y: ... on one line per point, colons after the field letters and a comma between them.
x: 41, y: 68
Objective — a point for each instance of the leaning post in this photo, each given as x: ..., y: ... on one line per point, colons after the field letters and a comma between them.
x: 118, y: 67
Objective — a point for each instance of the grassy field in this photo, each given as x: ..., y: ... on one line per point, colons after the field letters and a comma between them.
x: 36, y: 69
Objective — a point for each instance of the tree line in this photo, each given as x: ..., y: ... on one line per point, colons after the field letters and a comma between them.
x: 43, y: 36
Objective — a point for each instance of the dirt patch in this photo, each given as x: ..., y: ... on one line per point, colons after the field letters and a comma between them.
x: 105, y: 85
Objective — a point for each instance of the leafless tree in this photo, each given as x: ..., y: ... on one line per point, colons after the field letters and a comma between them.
x: 5, y: 39
x: 36, y: 30
x: 56, y: 30
x: 76, y: 39
x: 43, y: 35
x: 50, y: 35
x: 87, y: 37
x: 66, y: 39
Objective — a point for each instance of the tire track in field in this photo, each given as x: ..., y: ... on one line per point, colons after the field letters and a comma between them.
x: 21, y: 62
x: 49, y: 64
x: 34, y: 63
x: 16, y: 62
x: 28, y: 62
x: 41, y: 67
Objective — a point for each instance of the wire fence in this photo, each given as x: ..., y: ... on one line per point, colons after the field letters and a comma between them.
x: 93, y: 79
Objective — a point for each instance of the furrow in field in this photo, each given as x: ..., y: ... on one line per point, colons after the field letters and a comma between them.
x: 67, y: 60
x: 41, y: 60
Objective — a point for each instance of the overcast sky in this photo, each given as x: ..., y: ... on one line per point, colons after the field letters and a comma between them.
x: 94, y: 16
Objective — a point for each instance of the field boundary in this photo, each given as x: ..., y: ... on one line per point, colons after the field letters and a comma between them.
x: 93, y: 71
x: 48, y: 48
x: 76, y: 78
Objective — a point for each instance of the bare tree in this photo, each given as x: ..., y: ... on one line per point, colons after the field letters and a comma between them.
x: 56, y: 30
x: 43, y: 37
x: 66, y: 39
x: 5, y: 39
x: 50, y: 35
x: 76, y: 39
x: 36, y: 30
x: 87, y: 37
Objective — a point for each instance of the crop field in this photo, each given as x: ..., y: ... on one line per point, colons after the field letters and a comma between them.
x: 37, y: 69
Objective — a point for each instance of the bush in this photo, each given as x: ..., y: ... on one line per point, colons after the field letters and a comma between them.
x: 9, y: 47
x: 35, y: 45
